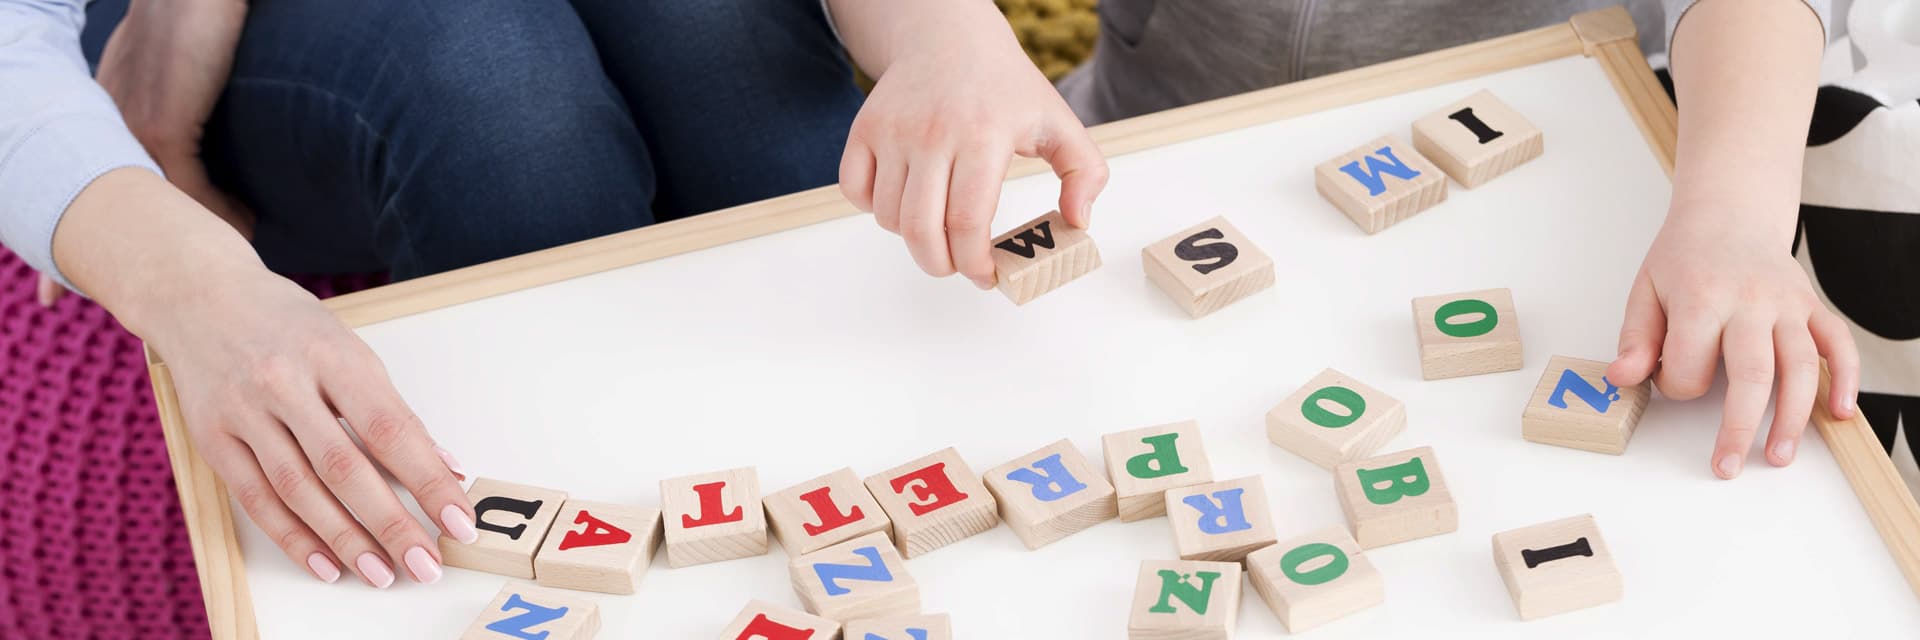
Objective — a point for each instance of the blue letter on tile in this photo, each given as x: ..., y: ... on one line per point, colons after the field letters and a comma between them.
x: 1370, y: 178
x: 536, y: 615
x: 1052, y: 482
x: 1227, y: 516
x: 1593, y: 396
x: 831, y: 574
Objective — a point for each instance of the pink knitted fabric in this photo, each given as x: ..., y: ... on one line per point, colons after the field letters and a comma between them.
x: 92, y: 544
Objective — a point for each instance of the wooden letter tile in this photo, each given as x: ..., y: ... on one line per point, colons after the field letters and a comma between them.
x: 1556, y: 567
x: 1221, y: 521
x: 1380, y: 183
x: 1575, y: 406
x: 526, y: 611
x: 1145, y: 463
x: 1315, y: 579
x: 763, y: 620
x: 933, y: 502
x: 1051, y: 493
x: 1207, y: 266
x: 1335, y: 419
x: 1042, y: 255
x: 596, y: 546
x: 933, y: 626
x: 513, y: 520
x: 1395, y: 497
x: 1477, y: 139
x: 1469, y: 333
x: 713, y: 516
x: 824, y: 511
x: 860, y: 578
x: 1185, y: 600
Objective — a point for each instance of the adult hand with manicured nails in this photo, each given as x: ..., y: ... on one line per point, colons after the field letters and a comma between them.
x: 954, y: 100
x: 264, y: 375
x: 1720, y: 282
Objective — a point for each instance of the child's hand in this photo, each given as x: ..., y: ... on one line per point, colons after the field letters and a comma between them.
x: 955, y: 100
x: 1713, y: 288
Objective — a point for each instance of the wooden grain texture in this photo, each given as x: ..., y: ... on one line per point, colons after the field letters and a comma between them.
x: 1418, y: 187
x: 1185, y: 600
x: 934, y: 501
x: 512, y: 520
x: 1223, y: 266
x: 1396, y: 497
x: 1454, y: 147
x: 209, y: 517
x: 1220, y: 521
x: 1556, y: 567
x: 1146, y: 462
x: 608, y: 547
x: 1040, y: 256
x: 1051, y: 493
x: 1878, y: 485
x: 581, y: 620
x: 860, y: 578
x: 1316, y: 578
x: 799, y: 515
x: 1351, y: 420
x: 713, y: 517
x: 761, y: 619
x: 1608, y: 36
x: 1445, y: 355
x: 1576, y: 422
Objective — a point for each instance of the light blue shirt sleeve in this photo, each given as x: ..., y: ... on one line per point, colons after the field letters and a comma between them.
x: 58, y: 129
x: 1822, y: 9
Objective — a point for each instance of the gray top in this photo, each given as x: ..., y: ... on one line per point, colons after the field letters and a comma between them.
x: 1160, y: 54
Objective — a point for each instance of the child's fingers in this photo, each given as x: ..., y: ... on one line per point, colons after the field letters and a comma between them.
x: 1835, y: 341
x: 889, y: 179
x: 1641, y: 332
x: 1748, y: 349
x: 971, y: 203
x: 923, y: 213
x: 1082, y: 170
x: 1798, y: 367
x: 1689, y: 354
x: 856, y: 174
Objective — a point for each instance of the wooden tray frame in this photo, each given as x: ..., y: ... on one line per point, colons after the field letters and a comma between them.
x: 1607, y: 36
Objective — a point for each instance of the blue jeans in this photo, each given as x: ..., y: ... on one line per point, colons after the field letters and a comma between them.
x: 416, y: 136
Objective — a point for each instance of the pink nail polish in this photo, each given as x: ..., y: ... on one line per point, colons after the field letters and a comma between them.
x: 323, y: 568
x: 1729, y: 466
x: 452, y: 463
x: 1783, y: 451
x: 425, y: 569
x: 457, y: 525
x: 374, y: 571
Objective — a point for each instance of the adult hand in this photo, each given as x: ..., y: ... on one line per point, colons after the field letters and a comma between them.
x: 1713, y: 289
x: 165, y: 66
x: 955, y: 99
x: 264, y: 373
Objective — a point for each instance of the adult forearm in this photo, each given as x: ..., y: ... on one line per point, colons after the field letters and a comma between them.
x: 143, y: 249
x: 1745, y: 74
x: 876, y: 32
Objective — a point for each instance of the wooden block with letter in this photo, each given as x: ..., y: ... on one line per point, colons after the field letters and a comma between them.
x: 1395, y: 497
x: 1207, y: 266
x: 1576, y: 406
x: 1185, y: 600
x: 824, y: 511
x: 1221, y: 521
x: 1042, y: 255
x: 762, y: 620
x: 1380, y: 183
x: 1146, y: 462
x: 1051, y: 493
x: 512, y: 520
x: 860, y: 578
x: 1335, y: 419
x: 596, y: 546
x: 525, y: 611
x: 1477, y: 139
x: 1468, y: 333
x: 933, y: 501
x: 1556, y: 567
x: 713, y: 516
x: 932, y: 626
x: 1316, y: 578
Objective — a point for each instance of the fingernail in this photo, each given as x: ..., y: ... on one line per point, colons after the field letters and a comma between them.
x: 983, y: 285
x: 425, y: 569
x: 452, y: 463
x: 1847, y: 405
x: 1783, y: 451
x: 456, y: 523
x: 1729, y: 466
x: 323, y: 568
x: 374, y: 570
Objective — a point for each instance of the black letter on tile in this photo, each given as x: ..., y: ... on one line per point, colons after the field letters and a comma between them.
x: 1568, y: 550
x: 1023, y: 244
x: 525, y: 508
x: 1223, y: 253
x: 1473, y: 123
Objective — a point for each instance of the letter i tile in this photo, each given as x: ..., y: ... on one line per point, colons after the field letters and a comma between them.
x: 1555, y: 567
x: 713, y: 517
